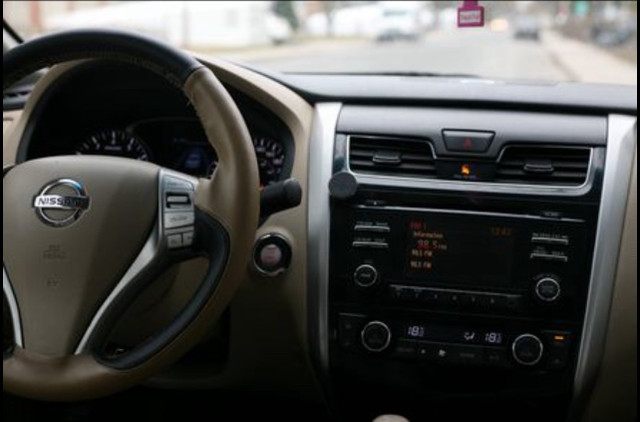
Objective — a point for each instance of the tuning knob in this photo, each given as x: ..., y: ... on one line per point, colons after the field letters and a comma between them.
x: 548, y: 289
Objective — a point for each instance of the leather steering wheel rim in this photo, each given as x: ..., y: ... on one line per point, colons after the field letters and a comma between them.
x: 226, y: 206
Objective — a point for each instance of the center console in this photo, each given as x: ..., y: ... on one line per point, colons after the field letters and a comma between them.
x: 405, y: 266
x: 451, y: 286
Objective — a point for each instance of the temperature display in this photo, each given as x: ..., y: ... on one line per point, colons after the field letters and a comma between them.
x: 454, y: 335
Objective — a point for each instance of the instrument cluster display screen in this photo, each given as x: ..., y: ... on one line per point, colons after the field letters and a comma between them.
x: 456, y: 250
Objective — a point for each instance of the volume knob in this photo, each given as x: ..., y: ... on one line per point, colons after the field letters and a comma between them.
x: 365, y: 276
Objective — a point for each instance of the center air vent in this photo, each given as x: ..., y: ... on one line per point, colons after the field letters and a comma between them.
x: 390, y: 156
x: 557, y: 166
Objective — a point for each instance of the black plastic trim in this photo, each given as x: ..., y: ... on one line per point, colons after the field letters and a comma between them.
x: 460, y: 92
x: 509, y: 126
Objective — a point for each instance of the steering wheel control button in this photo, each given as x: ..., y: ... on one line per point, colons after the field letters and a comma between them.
x: 187, y: 239
x: 178, y: 201
x: 365, y: 276
x: 527, y: 350
x: 376, y: 337
x: 61, y: 203
x: 179, y: 219
x: 272, y: 255
x: 548, y: 289
x: 175, y: 241
x: 467, y: 142
x: 177, y: 209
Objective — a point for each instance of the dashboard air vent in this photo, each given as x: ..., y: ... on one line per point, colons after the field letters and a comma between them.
x: 390, y: 156
x: 15, y: 98
x: 558, y: 166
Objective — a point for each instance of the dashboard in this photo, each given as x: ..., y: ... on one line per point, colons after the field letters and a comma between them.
x: 456, y: 251
x: 151, y: 123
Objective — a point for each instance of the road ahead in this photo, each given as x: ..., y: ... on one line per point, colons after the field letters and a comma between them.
x: 476, y: 52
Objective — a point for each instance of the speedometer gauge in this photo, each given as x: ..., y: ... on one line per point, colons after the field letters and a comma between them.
x: 271, y: 158
x: 115, y: 143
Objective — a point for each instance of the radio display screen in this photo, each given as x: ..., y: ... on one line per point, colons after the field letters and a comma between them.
x: 460, y: 250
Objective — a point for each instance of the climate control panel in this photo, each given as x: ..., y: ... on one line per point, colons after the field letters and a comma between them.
x: 447, y: 344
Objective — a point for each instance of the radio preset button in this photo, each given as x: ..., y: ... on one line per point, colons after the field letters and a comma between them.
x: 365, y: 276
x: 470, y: 300
x: 430, y: 296
x: 548, y: 289
x: 493, y: 302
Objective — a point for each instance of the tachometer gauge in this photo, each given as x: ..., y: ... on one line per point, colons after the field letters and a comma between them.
x: 271, y: 158
x: 115, y: 143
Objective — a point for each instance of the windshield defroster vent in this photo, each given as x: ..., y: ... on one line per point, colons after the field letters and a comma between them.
x: 391, y: 157
x: 558, y: 166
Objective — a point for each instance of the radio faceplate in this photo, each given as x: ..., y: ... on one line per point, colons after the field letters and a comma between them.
x: 468, y: 262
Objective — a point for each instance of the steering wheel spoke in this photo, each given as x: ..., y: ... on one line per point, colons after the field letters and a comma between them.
x: 171, y: 241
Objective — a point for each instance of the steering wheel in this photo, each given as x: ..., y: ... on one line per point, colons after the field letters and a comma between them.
x: 83, y: 236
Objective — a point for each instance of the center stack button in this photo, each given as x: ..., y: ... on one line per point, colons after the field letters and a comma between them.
x: 366, y: 276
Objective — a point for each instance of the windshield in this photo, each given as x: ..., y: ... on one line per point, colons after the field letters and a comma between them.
x: 582, y: 41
